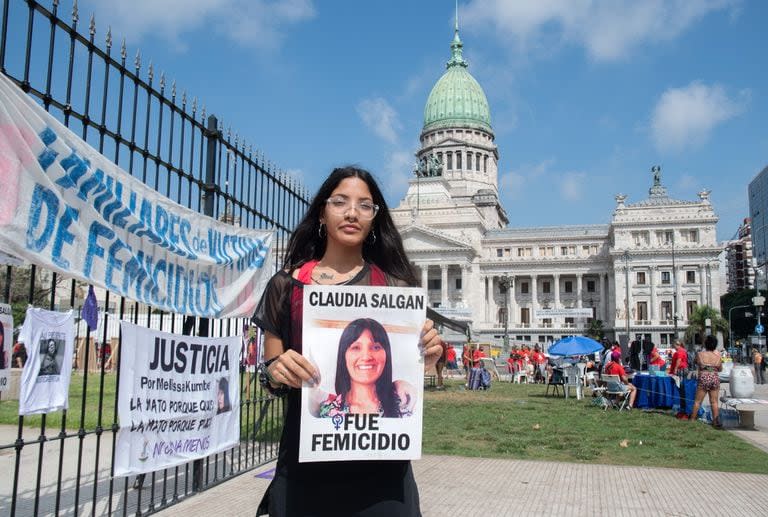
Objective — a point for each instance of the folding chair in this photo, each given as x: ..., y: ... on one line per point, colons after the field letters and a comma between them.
x: 614, y: 392
x: 555, y: 380
x: 490, y: 366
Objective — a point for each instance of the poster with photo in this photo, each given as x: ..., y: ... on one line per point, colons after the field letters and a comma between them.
x: 6, y: 343
x: 364, y: 341
x: 179, y: 399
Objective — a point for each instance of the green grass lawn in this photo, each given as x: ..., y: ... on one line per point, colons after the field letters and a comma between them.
x: 509, y: 421
x: 518, y: 421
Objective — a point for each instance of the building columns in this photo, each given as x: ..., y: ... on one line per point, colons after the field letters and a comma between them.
x: 443, y: 285
x: 654, y: 310
x: 424, y: 275
x: 578, y: 291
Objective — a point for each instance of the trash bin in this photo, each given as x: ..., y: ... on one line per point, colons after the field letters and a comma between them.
x: 742, y: 381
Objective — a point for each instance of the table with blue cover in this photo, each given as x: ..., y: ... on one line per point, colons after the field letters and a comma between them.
x: 662, y: 392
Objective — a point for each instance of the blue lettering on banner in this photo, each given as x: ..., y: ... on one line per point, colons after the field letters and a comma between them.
x: 64, y: 236
x: 53, y: 227
x: 41, y: 196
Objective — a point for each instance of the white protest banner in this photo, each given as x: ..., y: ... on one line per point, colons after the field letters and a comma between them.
x: 6, y: 343
x: 66, y: 207
x: 179, y: 399
x: 369, y: 403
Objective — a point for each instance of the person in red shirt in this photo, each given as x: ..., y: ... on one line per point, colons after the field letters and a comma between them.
x: 656, y: 359
x: 450, y: 358
x: 614, y: 367
x: 679, y: 367
x: 476, y: 356
x: 540, y: 360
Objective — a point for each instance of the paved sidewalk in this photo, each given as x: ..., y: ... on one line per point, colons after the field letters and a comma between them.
x: 453, y: 485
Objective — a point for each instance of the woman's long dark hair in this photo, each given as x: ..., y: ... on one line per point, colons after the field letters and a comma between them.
x: 386, y: 251
x: 384, y: 387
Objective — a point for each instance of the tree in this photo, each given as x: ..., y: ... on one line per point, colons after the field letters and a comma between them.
x: 595, y: 329
x: 18, y: 283
x: 697, y: 323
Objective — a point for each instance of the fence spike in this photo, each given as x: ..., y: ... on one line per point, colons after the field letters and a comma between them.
x: 202, y: 113
x: 92, y: 25
x: 229, y: 133
x: 173, y: 89
x: 184, y: 98
x: 151, y: 74
x: 137, y: 61
x: 236, y: 140
x: 123, y: 51
x: 55, y: 3
x: 109, y: 37
x: 194, y: 105
x: 75, y: 13
x: 162, y: 82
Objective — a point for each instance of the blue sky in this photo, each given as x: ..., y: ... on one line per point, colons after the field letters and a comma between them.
x: 585, y: 96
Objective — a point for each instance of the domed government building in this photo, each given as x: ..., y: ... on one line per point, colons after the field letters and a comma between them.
x: 641, y: 275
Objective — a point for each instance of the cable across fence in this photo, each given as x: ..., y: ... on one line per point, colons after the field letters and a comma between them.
x: 62, y: 463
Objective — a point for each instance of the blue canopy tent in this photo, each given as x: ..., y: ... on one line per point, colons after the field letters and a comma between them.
x: 575, y: 345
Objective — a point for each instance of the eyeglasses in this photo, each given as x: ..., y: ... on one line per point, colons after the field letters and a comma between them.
x: 340, y: 205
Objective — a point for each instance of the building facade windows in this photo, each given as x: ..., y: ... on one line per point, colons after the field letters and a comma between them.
x: 690, y: 306
x: 449, y: 160
x: 568, y: 287
x: 545, y: 287
x: 524, y: 288
x: 642, y: 311
x: 690, y: 277
x: 590, y: 286
x: 666, y: 310
x: 640, y: 276
x: 666, y: 277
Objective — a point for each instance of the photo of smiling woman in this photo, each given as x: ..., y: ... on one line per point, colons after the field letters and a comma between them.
x: 364, y: 376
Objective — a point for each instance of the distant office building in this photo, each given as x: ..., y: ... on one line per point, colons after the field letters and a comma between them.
x: 739, y: 260
x: 758, y: 213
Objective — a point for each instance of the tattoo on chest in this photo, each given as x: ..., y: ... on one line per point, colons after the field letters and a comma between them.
x: 326, y: 276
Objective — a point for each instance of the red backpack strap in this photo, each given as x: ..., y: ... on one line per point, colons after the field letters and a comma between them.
x: 378, y: 277
x: 305, y: 272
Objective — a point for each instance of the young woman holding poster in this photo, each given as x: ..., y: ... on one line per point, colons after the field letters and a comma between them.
x: 347, y: 237
x: 364, y: 376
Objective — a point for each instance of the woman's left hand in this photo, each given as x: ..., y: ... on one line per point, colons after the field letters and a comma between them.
x: 430, y: 343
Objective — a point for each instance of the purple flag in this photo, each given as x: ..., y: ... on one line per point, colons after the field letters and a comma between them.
x: 91, y: 310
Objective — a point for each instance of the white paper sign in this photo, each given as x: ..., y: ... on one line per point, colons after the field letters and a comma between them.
x: 179, y: 399
x: 6, y: 343
x: 369, y: 403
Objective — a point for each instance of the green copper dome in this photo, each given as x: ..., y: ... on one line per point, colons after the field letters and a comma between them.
x: 457, y: 100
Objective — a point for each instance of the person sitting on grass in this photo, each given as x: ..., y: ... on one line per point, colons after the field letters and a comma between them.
x: 614, y: 367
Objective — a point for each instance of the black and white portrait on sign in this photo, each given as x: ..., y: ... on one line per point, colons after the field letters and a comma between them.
x: 51, y: 352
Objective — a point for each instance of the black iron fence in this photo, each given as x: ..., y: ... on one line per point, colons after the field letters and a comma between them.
x: 61, y: 463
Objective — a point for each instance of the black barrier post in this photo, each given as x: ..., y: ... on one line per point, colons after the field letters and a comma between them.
x: 209, y: 193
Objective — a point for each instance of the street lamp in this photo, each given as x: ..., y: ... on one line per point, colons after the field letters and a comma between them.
x: 674, y: 288
x: 730, y: 328
x: 626, y: 281
x: 708, y: 326
x: 506, y: 283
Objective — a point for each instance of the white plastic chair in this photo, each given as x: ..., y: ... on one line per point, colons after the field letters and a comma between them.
x: 573, y: 381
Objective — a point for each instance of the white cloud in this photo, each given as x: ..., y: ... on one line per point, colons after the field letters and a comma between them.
x: 380, y: 117
x: 687, y: 182
x: 572, y: 186
x: 512, y: 184
x: 257, y: 24
x: 607, y: 29
x: 685, y: 117
x: 398, y: 170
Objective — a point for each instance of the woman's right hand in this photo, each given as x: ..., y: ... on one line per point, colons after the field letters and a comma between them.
x: 290, y: 367
x: 293, y: 369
